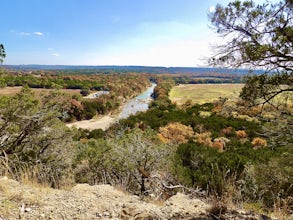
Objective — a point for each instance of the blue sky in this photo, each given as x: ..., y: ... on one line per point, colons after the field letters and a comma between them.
x: 107, y: 32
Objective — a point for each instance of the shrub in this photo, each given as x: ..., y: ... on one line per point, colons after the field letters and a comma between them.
x: 84, y: 92
x: 218, y: 145
x: 33, y: 138
x: 204, y: 114
x: 176, y: 133
x: 275, y: 182
x: 258, y: 142
x: 125, y: 160
x: 206, y: 167
x: 203, y: 139
x: 241, y: 134
x: 227, y: 131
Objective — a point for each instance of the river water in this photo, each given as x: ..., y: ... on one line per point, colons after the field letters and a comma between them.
x: 140, y: 103
x: 131, y: 107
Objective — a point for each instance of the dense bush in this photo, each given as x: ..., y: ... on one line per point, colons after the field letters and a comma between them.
x: 274, y: 180
x: 125, y: 160
x: 33, y: 140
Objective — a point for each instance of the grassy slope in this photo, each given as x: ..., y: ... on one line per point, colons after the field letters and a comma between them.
x: 202, y: 93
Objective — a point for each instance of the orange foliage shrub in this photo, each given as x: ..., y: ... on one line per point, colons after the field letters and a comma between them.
x: 241, y: 134
x: 204, y: 139
x: 258, y: 143
x: 176, y: 133
x: 76, y: 104
x: 217, y: 109
x: 227, y: 131
x: 162, y: 138
x: 219, y: 145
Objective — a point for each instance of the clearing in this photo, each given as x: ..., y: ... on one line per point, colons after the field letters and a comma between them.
x: 10, y: 91
x: 202, y: 93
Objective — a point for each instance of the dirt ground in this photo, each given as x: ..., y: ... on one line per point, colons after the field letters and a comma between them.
x: 102, y: 123
x: 20, y: 201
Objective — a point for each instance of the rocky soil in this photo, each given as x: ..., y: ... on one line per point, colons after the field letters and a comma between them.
x: 20, y: 201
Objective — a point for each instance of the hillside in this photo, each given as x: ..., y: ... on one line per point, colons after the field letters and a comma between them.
x: 19, y: 201
x: 138, y: 69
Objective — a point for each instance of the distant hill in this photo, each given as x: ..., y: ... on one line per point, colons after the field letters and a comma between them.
x: 140, y: 69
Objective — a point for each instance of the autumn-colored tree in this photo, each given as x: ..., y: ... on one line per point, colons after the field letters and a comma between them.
x: 241, y: 134
x: 175, y: 133
x: 258, y: 142
x: 204, y: 138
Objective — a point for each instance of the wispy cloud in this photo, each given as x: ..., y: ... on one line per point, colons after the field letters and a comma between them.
x: 38, y: 33
x: 55, y: 54
x: 22, y: 33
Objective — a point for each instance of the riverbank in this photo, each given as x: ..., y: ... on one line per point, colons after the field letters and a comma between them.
x: 97, y: 123
x: 132, y: 106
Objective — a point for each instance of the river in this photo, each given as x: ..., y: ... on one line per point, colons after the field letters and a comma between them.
x: 138, y: 104
x: 131, y: 107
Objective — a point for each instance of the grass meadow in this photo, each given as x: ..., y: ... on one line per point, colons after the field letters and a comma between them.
x: 202, y: 93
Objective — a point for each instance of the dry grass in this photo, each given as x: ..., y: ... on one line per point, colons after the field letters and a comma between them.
x: 13, y: 195
x: 202, y: 93
x: 10, y: 91
x: 46, y: 91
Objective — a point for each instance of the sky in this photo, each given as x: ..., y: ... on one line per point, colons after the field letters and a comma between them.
x: 108, y: 32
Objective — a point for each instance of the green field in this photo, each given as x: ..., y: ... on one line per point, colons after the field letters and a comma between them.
x: 202, y: 93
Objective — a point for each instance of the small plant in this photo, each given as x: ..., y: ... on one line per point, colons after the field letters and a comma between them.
x: 258, y: 143
x: 204, y: 114
x: 227, y: 131
x: 219, y: 145
x: 241, y: 134
x: 203, y: 139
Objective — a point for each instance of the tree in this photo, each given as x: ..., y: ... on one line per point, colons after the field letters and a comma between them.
x: 176, y: 133
x: 32, y: 137
x: 257, y: 36
x: 2, y: 53
x: 261, y: 37
x: 136, y: 155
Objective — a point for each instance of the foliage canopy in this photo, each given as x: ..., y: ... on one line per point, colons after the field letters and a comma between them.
x: 257, y: 36
x: 2, y: 53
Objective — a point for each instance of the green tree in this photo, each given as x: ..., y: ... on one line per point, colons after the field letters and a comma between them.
x: 2, y: 53
x: 135, y: 156
x: 32, y: 136
x: 260, y: 36
x: 128, y: 160
x: 257, y: 36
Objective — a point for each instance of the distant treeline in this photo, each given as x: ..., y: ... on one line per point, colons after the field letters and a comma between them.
x: 129, y: 69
